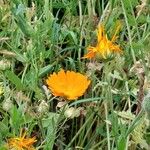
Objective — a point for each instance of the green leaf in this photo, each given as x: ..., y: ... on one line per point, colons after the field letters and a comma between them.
x: 45, y: 70
x: 51, y: 124
x: 21, y: 58
x: 21, y: 21
x: 85, y: 100
x: 3, y: 148
x: 4, y: 129
x: 14, y: 79
x: 48, y: 121
x: 122, y: 143
x: 16, y: 118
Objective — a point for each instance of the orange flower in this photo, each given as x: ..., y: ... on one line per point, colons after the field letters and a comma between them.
x: 21, y: 143
x: 70, y: 85
x: 104, y: 46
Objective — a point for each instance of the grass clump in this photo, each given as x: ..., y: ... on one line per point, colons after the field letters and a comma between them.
x: 74, y: 74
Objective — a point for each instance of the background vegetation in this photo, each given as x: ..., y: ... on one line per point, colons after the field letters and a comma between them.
x: 38, y: 37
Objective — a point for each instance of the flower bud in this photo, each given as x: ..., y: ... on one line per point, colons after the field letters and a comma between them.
x: 5, y: 64
x: 137, y: 68
x: 43, y: 107
x: 7, y: 104
x: 69, y: 113
x: 74, y: 112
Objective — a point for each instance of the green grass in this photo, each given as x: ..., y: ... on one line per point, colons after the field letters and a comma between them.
x: 39, y: 37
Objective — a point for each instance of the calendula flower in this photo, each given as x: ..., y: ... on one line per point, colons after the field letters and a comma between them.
x: 21, y: 142
x: 104, y: 46
x: 69, y: 84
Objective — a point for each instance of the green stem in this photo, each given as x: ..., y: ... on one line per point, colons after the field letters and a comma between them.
x: 74, y: 138
x: 129, y: 32
x: 107, y: 126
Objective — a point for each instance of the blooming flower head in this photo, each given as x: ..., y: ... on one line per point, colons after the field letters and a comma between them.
x: 21, y: 142
x: 104, y: 46
x: 69, y: 84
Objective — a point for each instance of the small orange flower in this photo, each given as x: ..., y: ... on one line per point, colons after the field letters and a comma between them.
x: 104, y: 46
x: 22, y: 142
x: 70, y: 85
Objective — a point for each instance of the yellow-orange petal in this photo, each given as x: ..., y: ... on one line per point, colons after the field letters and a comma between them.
x: 69, y: 85
x: 104, y: 47
x: 92, y: 52
x: 89, y: 55
x: 100, y: 32
x: 21, y: 143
